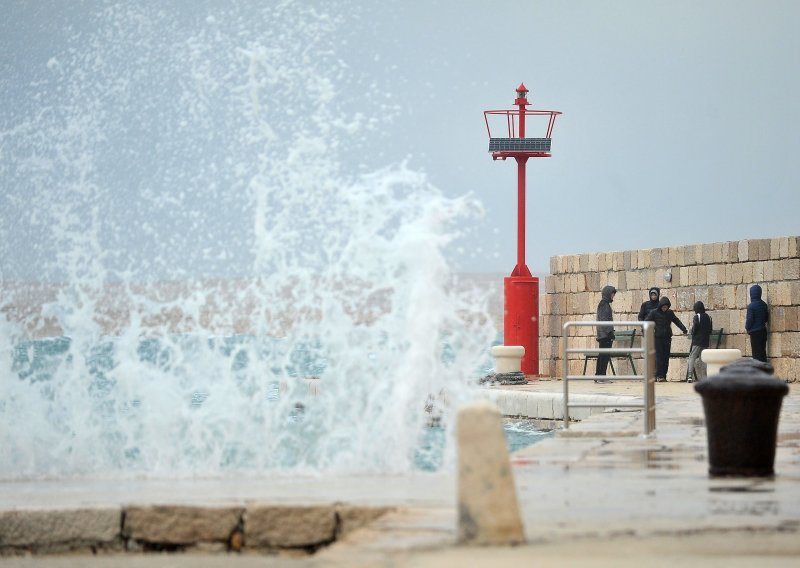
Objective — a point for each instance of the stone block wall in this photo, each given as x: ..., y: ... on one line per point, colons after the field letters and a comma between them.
x: 718, y: 274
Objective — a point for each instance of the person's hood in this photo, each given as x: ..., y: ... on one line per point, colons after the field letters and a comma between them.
x: 699, y: 308
x: 606, y: 293
x: 656, y: 290
x: 755, y: 292
x: 664, y: 302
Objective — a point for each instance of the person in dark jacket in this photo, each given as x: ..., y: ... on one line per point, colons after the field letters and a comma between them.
x: 701, y: 337
x: 757, y: 323
x: 651, y: 304
x: 664, y: 317
x: 605, y: 333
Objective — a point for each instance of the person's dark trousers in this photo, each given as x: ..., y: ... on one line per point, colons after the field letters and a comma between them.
x: 603, y: 359
x: 758, y: 345
x: 663, y: 348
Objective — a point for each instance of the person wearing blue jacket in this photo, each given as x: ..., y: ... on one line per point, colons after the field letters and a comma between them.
x: 757, y: 323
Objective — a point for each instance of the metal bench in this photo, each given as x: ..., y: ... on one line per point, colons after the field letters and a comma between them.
x: 715, y: 341
x: 623, y: 339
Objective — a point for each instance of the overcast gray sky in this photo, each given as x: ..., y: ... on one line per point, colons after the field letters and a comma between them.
x: 680, y: 119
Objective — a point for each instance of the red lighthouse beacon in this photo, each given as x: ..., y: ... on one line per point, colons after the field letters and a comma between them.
x: 521, y: 320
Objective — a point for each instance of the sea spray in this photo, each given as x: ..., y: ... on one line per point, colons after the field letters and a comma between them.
x: 202, y: 276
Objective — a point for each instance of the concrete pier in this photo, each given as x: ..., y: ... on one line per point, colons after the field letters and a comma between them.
x: 603, y: 493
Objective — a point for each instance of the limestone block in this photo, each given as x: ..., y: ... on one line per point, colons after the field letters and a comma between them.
x: 712, y: 274
x: 602, y: 262
x: 287, y: 526
x: 729, y: 297
x: 792, y: 318
x: 774, y: 248
x: 743, y: 251
x: 655, y: 258
x: 701, y: 295
x: 708, y: 253
x: 769, y: 270
x: 683, y: 271
x: 629, y: 260
x: 701, y: 275
x: 747, y: 272
x: 783, y: 247
x: 763, y: 249
x: 553, y: 264
x: 758, y: 271
x: 716, y: 253
x: 583, y: 263
x: 685, y: 299
x: 352, y: 517
x: 778, y: 267
x: 734, y: 274
x: 593, y: 261
x: 774, y: 345
x: 179, y: 524
x: 716, y: 297
x: 488, y: 512
x: 742, y: 295
x: 790, y: 344
x: 680, y: 256
x: 693, y: 280
x: 791, y: 268
x: 793, y: 247
x: 549, y: 284
x: 42, y: 529
x: 643, y: 258
x: 794, y: 292
x: 689, y: 256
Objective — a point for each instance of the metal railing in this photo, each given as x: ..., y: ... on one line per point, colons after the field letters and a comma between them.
x: 648, y: 404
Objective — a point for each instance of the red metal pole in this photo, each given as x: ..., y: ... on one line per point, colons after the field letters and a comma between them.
x: 521, y: 268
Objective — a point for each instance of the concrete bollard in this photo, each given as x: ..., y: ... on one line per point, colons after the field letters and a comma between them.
x: 715, y: 359
x: 488, y: 512
x: 508, y: 358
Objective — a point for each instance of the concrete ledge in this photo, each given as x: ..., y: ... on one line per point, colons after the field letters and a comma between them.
x: 550, y: 406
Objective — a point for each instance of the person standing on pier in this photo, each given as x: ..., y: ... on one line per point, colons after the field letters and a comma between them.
x: 651, y: 304
x: 605, y: 333
x: 701, y: 338
x: 757, y: 323
x: 664, y: 317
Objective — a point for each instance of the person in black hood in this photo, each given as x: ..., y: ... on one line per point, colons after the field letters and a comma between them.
x: 756, y: 323
x: 701, y: 336
x: 651, y: 304
x: 664, y: 317
x: 605, y: 333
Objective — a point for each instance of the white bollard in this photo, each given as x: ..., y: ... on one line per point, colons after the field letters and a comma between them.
x: 715, y: 359
x: 508, y: 358
x: 488, y: 512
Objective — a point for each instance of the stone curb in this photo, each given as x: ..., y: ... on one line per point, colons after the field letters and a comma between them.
x: 254, y: 527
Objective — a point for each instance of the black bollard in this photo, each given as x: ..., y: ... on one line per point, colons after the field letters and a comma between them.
x: 742, y: 405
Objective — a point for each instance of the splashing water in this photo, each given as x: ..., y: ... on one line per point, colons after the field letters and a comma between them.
x: 188, y: 217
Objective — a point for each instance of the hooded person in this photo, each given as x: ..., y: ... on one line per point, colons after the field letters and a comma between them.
x: 701, y: 337
x: 649, y: 305
x: 664, y: 317
x: 757, y: 323
x: 605, y: 333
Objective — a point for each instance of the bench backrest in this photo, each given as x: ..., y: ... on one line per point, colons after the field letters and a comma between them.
x: 716, y: 338
x: 625, y: 336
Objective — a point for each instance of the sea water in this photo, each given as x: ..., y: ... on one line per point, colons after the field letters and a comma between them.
x: 193, y: 226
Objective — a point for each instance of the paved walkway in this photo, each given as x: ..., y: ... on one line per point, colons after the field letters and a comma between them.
x: 600, y: 494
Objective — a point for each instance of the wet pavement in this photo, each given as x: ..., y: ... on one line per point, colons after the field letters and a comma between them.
x: 600, y: 491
